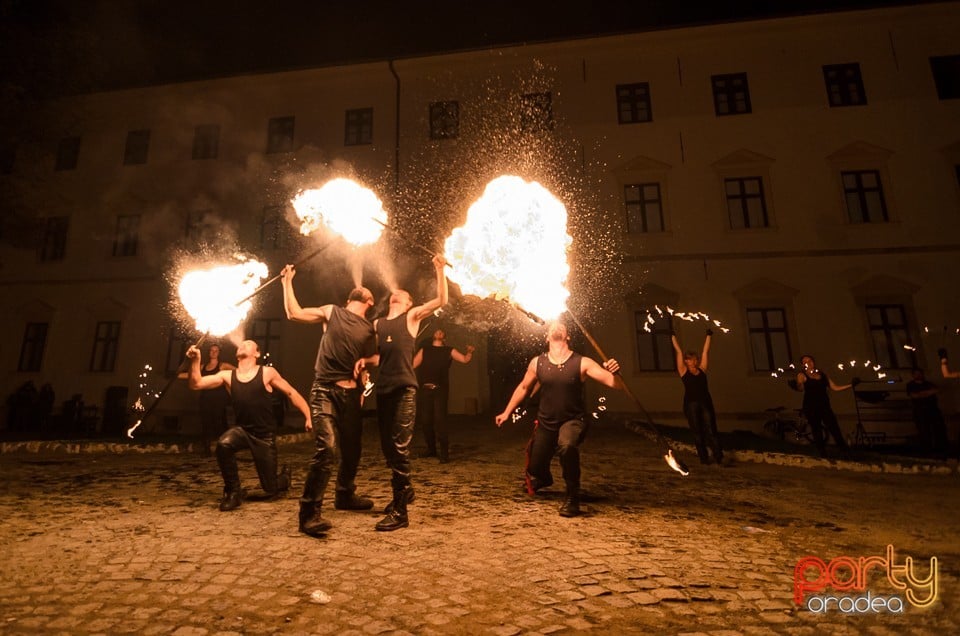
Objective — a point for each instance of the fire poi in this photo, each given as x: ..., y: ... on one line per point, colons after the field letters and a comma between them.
x: 218, y: 300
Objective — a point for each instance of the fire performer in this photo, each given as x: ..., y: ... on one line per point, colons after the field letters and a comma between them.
x: 433, y: 363
x: 697, y: 402
x: 397, y: 389
x: 816, y: 404
x: 213, y: 403
x: 250, y: 385
x: 561, y: 424
x: 335, y: 401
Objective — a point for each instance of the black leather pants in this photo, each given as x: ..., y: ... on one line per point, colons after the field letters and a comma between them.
x: 396, y: 414
x: 264, y: 450
x: 337, y: 429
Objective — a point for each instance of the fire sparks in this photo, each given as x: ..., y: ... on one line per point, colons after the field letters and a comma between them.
x: 514, y: 246
x: 687, y: 316
x: 344, y: 207
x: 210, y: 295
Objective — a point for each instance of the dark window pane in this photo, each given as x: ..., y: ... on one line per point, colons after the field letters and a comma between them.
x: 33, y: 345
x: 206, y: 142
x: 946, y: 75
x: 359, y: 127
x: 444, y: 120
x: 280, y: 134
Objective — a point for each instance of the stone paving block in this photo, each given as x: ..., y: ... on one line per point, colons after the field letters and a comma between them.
x: 595, y: 590
x: 643, y: 598
x: 670, y: 595
x: 505, y: 630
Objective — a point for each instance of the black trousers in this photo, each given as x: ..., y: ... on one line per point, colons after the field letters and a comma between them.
x: 703, y: 422
x: 432, y: 418
x: 338, y: 433
x: 823, y: 420
x: 264, y: 450
x: 396, y: 415
x: 564, y: 441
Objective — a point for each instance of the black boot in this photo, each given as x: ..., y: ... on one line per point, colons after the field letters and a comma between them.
x: 571, y: 505
x: 351, y: 501
x: 397, y: 517
x: 411, y: 496
x: 311, y: 523
x: 231, y: 500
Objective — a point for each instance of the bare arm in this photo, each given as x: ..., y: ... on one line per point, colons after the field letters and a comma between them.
x: 838, y: 387
x: 419, y: 313
x: 418, y: 358
x: 519, y: 393
x: 462, y: 358
x: 945, y: 369
x: 292, y: 306
x: 274, y: 379
x: 678, y: 355
x: 706, y: 350
x: 607, y: 375
x: 196, y: 380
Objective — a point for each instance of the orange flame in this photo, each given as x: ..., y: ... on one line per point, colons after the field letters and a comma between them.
x: 674, y: 464
x: 514, y: 246
x: 210, y: 296
x: 344, y: 207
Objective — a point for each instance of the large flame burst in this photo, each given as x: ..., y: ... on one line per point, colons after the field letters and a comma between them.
x: 514, y: 246
x: 212, y: 296
x: 344, y: 207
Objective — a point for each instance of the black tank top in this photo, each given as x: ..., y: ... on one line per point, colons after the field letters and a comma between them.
x: 561, y: 391
x: 253, y: 405
x: 347, y: 338
x: 695, y: 388
x: 815, y: 392
x: 396, y: 354
x: 435, y: 365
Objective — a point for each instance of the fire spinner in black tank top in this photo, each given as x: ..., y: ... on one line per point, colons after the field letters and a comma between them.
x: 347, y: 338
x: 395, y: 345
x: 253, y: 405
x: 561, y: 391
x: 695, y: 389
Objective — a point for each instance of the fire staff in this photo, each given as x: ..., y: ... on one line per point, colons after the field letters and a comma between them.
x: 433, y: 364
x: 334, y: 401
x: 250, y: 386
x: 397, y: 389
x: 561, y: 424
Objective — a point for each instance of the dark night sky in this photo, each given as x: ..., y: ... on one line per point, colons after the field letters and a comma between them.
x: 78, y: 45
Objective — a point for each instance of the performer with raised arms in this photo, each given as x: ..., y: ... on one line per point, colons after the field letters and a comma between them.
x: 334, y: 401
x: 397, y: 389
x: 561, y: 423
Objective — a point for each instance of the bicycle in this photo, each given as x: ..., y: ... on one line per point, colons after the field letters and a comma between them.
x: 781, y: 427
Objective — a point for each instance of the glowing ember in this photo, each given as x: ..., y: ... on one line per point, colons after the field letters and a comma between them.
x: 674, y: 464
x: 344, y: 207
x: 210, y: 296
x: 514, y: 246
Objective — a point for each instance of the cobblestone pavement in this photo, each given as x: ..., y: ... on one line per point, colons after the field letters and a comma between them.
x: 134, y: 543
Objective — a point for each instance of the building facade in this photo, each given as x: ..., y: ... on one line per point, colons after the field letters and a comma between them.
x: 797, y: 179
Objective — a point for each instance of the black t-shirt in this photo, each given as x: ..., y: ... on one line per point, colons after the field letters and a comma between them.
x: 395, y: 345
x: 435, y: 366
x: 561, y: 391
x: 347, y: 338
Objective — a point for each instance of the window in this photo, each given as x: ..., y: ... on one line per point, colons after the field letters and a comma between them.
x: 746, y: 204
x: 105, y: 343
x: 654, y: 348
x: 358, y: 130
x: 769, y: 338
x: 731, y: 95
x: 444, y: 120
x: 633, y: 103
x: 206, y: 141
x: 177, y: 345
x: 946, y: 75
x: 53, y: 238
x: 34, y: 343
x: 68, y: 153
x: 197, y: 222
x: 266, y: 333
x: 844, y: 85
x: 138, y: 146
x: 864, y: 196
x: 536, y: 112
x: 644, y: 208
x: 889, y: 335
x: 280, y: 135
x: 126, y: 237
x: 273, y: 228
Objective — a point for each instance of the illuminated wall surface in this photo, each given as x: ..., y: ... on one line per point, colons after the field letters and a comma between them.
x: 795, y: 178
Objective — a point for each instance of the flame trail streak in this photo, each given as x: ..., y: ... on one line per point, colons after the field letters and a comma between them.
x: 344, y: 207
x: 514, y: 246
